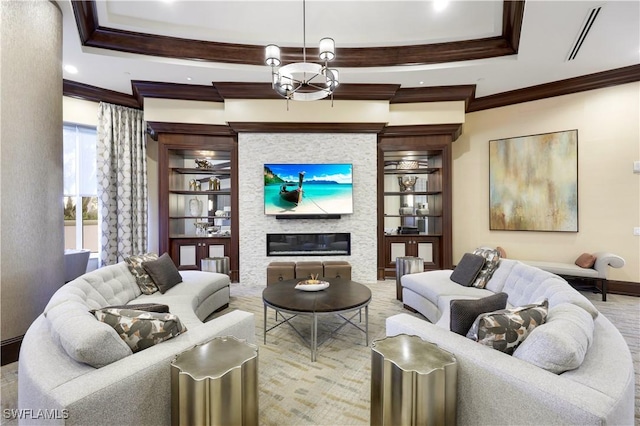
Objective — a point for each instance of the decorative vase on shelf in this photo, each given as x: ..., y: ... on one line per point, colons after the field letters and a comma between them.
x: 406, y: 210
x: 423, y: 210
x: 195, y: 207
x: 407, y: 183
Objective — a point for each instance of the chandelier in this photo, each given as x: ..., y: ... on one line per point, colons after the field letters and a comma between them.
x: 304, y: 81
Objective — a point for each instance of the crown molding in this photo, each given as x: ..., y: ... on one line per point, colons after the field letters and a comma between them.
x: 94, y: 35
x: 220, y: 91
x: 352, y: 92
x: 156, y: 127
x: 260, y: 127
x: 598, y: 80
x: 454, y: 130
x: 74, y: 89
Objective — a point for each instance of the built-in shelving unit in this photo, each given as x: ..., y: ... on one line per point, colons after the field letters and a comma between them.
x: 198, y: 204
x: 414, y: 200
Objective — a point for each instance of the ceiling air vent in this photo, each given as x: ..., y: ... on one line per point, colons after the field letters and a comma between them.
x: 584, y: 30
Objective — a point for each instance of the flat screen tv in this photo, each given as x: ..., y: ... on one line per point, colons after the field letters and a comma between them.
x: 308, y: 189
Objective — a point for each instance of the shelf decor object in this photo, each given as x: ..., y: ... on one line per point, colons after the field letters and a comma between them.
x: 533, y: 183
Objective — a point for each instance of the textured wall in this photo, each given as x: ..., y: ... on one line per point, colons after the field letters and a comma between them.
x: 32, y: 244
x: 256, y: 149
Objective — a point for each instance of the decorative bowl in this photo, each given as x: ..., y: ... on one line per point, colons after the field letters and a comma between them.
x: 312, y: 285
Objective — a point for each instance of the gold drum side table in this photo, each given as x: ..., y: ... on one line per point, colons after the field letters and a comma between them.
x: 413, y: 382
x: 215, y: 383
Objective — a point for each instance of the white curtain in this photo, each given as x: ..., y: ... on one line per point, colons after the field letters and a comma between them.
x: 122, y: 182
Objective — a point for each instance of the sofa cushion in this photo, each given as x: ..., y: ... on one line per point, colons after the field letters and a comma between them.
x: 526, y: 284
x: 433, y: 285
x: 144, y: 281
x: 82, y: 337
x: 562, y: 342
x: 505, y: 329
x: 467, y: 269
x: 141, y: 329
x: 463, y: 312
x: 109, y: 285
x: 492, y: 259
x: 163, y: 272
x: 586, y: 260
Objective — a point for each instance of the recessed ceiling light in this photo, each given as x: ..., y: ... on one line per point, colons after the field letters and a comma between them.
x: 188, y: 78
x: 440, y: 5
x: 71, y: 69
x: 422, y: 82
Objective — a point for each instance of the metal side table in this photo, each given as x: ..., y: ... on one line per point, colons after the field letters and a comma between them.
x: 413, y: 382
x: 215, y: 383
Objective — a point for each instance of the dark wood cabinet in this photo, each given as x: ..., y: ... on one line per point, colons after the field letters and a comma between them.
x: 198, y: 200
x: 425, y: 247
x: 414, y: 197
x: 188, y: 252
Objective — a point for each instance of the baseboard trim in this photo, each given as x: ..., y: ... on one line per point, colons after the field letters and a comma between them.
x: 10, y: 349
x: 625, y: 288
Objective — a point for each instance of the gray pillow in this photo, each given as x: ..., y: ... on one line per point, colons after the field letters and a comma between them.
x: 561, y: 343
x: 163, y: 272
x: 467, y: 269
x: 465, y: 311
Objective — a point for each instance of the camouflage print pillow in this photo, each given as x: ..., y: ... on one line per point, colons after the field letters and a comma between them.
x: 140, y: 329
x: 144, y: 281
x: 492, y: 259
x: 505, y: 329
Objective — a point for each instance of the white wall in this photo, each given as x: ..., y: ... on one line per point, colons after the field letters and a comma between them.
x: 608, y: 191
x: 256, y: 149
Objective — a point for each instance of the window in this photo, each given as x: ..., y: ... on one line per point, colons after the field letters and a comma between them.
x: 81, y: 229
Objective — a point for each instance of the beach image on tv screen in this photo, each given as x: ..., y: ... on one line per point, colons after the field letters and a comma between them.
x: 308, y: 189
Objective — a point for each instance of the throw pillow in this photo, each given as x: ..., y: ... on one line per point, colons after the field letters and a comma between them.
x: 586, y: 260
x: 163, y: 272
x: 140, y: 329
x: 146, y: 307
x: 464, y: 312
x: 143, y: 279
x: 492, y: 259
x: 467, y: 269
x: 504, y: 330
x: 561, y: 343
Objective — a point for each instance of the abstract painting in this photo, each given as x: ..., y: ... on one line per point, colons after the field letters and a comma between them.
x: 533, y: 183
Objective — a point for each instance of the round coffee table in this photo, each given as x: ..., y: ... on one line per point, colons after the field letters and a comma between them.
x: 341, y: 297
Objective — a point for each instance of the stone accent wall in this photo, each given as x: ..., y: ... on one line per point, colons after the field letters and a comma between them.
x: 257, y: 149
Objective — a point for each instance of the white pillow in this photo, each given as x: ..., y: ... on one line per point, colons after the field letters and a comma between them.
x: 562, y: 342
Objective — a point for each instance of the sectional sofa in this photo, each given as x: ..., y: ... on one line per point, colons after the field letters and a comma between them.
x: 76, y: 370
x: 575, y: 368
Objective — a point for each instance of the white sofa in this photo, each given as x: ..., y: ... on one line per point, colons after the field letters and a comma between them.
x: 496, y: 388
x: 134, y: 389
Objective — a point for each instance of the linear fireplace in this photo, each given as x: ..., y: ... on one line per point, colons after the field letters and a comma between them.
x: 319, y: 244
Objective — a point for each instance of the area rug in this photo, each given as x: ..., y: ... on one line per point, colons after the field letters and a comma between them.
x: 335, y: 390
